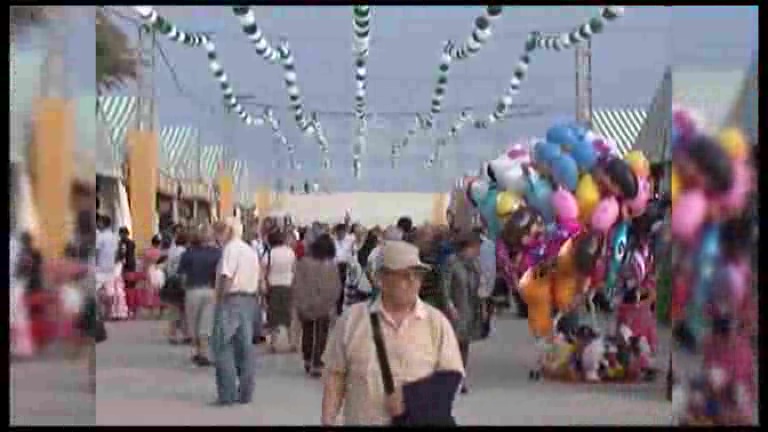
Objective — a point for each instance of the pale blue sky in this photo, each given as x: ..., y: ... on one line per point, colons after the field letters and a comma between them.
x: 628, y: 61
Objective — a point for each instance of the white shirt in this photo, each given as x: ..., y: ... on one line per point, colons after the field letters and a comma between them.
x: 106, y: 251
x: 240, y: 263
x: 258, y: 247
x: 174, y: 258
x: 344, y: 248
x: 281, y: 266
x: 374, y: 260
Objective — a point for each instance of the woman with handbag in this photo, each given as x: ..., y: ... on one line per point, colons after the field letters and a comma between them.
x: 316, y: 288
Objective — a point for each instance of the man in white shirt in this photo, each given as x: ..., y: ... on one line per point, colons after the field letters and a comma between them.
x: 106, y: 248
x: 237, y: 284
x: 344, y: 242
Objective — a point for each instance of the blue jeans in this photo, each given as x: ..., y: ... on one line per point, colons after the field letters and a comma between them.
x: 232, y: 348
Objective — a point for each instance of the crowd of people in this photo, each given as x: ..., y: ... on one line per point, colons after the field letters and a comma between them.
x: 228, y: 288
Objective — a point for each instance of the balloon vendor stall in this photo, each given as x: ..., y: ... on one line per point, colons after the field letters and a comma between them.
x: 573, y: 220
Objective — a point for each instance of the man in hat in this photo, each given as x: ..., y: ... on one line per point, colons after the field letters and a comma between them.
x: 418, y: 340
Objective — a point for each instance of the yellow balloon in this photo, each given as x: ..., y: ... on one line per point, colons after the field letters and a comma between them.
x: 674, y: 185
x: 638, y: 162
x: 587, y: 196
x: 506, y: 203
x: 734, y: 143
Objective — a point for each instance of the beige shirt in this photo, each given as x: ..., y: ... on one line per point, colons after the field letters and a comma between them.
x: 240, y: 263
x: 423, y: 344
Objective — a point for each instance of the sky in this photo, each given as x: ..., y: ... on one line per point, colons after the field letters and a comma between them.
x: 629, y: 58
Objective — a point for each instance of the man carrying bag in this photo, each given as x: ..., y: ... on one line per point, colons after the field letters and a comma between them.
x: 393, y: 361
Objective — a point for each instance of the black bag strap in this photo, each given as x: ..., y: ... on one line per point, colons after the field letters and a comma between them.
x: 381, y: 353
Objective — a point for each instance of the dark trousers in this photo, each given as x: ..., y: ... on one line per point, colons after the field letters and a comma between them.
x: 314, y: 335
x: 343, y: 277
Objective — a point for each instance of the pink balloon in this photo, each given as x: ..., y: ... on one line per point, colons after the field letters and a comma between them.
x: 565, y: 205
x: 605, y: 214
x: 638, y: 204
x: 736, y: 197
x: 688, y: 215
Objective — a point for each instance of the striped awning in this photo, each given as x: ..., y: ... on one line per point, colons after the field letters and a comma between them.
x: 210, y: 158
x: 116, y: 113
x: 621, y: 125
x: 177, y: 148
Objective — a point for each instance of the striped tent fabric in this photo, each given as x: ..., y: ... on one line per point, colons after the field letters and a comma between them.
x: 210, y: 157
x: 177, y: 146
x: 654, y: 140
x: 744, y: 113
x: 621, y: 125
x: 117, y: 112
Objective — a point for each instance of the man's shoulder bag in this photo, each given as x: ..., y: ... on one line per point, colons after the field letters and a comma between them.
x: 429, y: 401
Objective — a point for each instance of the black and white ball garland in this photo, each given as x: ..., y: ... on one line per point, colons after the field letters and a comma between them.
x: 544, y: 42
x: 361, y: 24
x: 274, y: 124
x: 426, y: 122
x: 165, y: 27
x: 150, y: 16
x: 480, y: 34
x: 255, y: 35
x: 580, y: 34
x: 281, y: 55
x: 229, y: 95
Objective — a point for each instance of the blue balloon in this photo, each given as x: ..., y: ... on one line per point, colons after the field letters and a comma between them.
x: 707, y: 262
x: 544, y: 152
x: 583, y: 152
x: 487, y: 208
x: 560, y: 134
x: 565, y: 172
x: 537, y: 195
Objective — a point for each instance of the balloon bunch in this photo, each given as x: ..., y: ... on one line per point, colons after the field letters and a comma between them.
x: 712, y: 182
x: 712, y: 186
x: 560, y: 208
x: 573, y: 179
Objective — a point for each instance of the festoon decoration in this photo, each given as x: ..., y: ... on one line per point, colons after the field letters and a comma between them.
x: 361, y: 24
x: 536, y: 40
x: 464, y: 117
x: 480, y: 34
x: 150, y: 16
x: 277, y: 134
x: 281, y: 55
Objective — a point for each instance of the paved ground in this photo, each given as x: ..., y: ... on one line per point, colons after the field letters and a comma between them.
x: 144, y: 381
x: 51, y: 392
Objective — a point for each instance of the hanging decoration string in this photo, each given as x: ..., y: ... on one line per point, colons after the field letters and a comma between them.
x: 274, y: 124
x: 425, y: 122
x: 361, y: 24
x: 281, y: 55
x: 546, y: 42
x: 480, y: 34
x: 151, y: 17
x: 255, y: 35
x: 554, y: 42
x: 464, y: 118
x: 229, y: 94
x: 165, y: 27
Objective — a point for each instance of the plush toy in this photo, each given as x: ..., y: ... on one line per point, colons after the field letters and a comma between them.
x: 591, y: 358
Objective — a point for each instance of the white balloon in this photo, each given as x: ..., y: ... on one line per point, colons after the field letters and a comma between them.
x: 509, y: 172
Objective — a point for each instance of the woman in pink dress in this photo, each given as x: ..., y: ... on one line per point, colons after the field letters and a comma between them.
x: 151, y: 263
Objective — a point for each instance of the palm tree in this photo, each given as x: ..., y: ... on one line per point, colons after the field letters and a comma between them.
x: 116, y: 61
